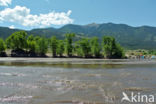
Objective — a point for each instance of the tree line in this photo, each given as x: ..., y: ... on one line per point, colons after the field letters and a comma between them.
x: 21, y: 44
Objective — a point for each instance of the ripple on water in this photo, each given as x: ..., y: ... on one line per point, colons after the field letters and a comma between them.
x: 13, y: 74
x: 62, y: 85
x: 22, y: 85
x: 75, y: 102
x: 14, y: 99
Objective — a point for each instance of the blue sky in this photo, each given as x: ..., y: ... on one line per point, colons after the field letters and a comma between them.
x: 28, y: 14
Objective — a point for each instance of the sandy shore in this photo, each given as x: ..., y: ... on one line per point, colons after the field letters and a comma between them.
x: 77, y: 61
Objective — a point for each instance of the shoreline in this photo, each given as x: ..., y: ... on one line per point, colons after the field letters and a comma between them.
x: 75, y: 60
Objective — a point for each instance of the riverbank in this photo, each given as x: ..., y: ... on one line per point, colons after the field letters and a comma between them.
x: 77, y: 60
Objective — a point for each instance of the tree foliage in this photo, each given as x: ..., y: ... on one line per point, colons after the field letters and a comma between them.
x: 42, y: 46
x: 31, y: 45
x: 152, y: 52
x: 17, y: 40
x: 53, y: 45
x: 95, y: 47
x: 69, y: 44
x: 2, y: 46
x: 111, y: 49
x: 60, y: 48
x: 77, y: 49
x: 85, y: 47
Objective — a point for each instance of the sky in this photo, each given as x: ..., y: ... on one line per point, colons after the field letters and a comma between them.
x: 29, y: 14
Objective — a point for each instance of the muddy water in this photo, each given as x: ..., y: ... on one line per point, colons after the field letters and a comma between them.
x: 96, y: 82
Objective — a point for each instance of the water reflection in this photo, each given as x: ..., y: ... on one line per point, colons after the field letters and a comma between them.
x: 95, y: 65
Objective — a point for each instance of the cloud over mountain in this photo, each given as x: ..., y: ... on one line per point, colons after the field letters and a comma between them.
x: 22, y: 16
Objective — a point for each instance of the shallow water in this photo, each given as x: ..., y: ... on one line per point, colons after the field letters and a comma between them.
x: 82, y: 82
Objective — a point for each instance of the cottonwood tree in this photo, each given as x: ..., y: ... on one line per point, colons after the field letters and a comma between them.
x: 69, y: 44
x: 85, y: 47
x: 42, y: 46
x: 95, y: 47
x: 17, y: 41
x: 53, y: 45
x: 2, y: 47
x: 31, y: 44
x: 60, y: 48
x: 111, y: 49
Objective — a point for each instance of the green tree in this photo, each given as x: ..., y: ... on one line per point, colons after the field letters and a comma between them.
x: 108, y: 46
x: 95, y: 47
x: 111, y: 48
x: 152, y: 52
x: 77, y: 49
x: 2, y: 46
x: 31, y: 44
x: 42, y: 45
x: 118, y: 52
x: 60, y: 48
x: 17, y: 40
x: 85, y: 47
x: 69, y: 44
x: 53, y: 45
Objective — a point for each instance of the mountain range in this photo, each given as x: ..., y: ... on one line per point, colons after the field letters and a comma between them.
x: 143, y: 37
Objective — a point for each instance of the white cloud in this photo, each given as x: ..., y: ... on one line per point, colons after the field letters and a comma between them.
x: 22, y: 16
x: 5, y: 2
x: 12, y: 27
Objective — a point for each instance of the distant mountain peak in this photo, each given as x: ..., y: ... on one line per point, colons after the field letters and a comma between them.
x: 93, y: 25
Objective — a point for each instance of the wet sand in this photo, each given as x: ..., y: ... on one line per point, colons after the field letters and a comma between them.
x: 78, y: 60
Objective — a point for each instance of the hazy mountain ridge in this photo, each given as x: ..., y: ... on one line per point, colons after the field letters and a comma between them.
x: 127, y: 36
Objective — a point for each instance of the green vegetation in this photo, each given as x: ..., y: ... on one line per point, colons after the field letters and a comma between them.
x: 95, y: 47
x: 2, y: 48
x: 84, y: 47
x: 60, y: 48
x: 2, y: 45
x: 69, y: 44
x: 140, y: 54
x: 17, y: 40
x: 151, y: 52
x: 42, y: 46
x: 53, y: 45
x: 112, y: 49
x: 32, y: 46
x: 132, y: 38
